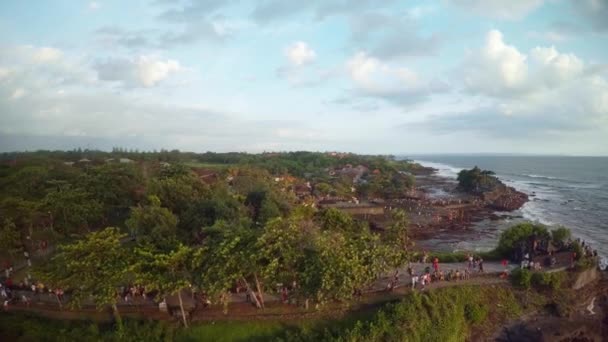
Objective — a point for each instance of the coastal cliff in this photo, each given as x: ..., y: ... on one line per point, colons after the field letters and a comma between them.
x: 492, y: 191
x: 575, y: 315
x: 504, y: 198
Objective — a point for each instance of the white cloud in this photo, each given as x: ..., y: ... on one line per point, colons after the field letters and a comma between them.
x: 372, y: 75
x: 500, y: 9
x: 62, y: 114
x: 30, y: 54
x: 392, y: 35
x: 555, y: 67
x: 94, y: 5
x: 501, y: 70
x: 544, y: 93
x: 418, y: 12
x: 144, y: 71
x: 150, y: 71
x: 47, y: 54
x: 299, y: 53
x: 375, y: 78
x: 18, y: 93
x: 497, y: 68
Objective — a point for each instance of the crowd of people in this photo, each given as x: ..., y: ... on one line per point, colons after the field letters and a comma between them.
x: 433, y: 273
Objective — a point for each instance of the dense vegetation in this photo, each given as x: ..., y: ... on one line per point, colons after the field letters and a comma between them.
x: 441, y: 315
x: 209, y: 221
x: 477, y: 180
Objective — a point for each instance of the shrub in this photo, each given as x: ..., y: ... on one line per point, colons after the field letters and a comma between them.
x: 519, y: 233
x: 578, y: 249
x: 583, y: 264
x: 521, y: 278
x: 559, y: 236
x: 550, y: 281
x: 475, y: 313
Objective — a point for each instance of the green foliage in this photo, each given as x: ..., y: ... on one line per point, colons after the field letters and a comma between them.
x: 218, y: 204
x: 25, y: 328
x: 521, y: 278
x: 72, y: 210
x: 10, y: 239
x: 475, y: 313
x: 93, y: 267
x: 577, y: 249
x: 336, y: 220
x: 397, y: 239
x: 441, y: 315
x: 166, y: 272
x: 560, y: 236
x: 23, y: 213
x: 477, y: 180
x: 178, y: 191
x: 231, y: 331
x: 281, y: 248
x: 229, y: 255
x: 583, y: 264
x: 547, y: 281
x: 113, y: 185
x: 520, y: 233
x: 28, y: 182
x: 338, y: 264
x: 324, y: 189
x: 153, y: 224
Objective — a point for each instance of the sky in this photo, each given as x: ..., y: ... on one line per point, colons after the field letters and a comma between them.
x: 398, y: 77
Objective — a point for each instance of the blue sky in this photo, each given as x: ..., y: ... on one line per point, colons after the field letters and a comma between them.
x: 453, y: 76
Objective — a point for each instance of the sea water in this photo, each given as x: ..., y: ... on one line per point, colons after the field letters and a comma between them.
x: 567, y: 191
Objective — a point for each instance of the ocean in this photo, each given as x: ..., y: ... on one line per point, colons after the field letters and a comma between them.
x: 567, y: 191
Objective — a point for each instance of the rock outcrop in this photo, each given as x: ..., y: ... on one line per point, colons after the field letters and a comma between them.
x: 504, y: 198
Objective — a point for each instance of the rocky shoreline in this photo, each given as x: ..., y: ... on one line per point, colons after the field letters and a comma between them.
x: 438, y: 204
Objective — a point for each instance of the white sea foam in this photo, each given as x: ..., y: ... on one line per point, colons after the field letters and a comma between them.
x: 539, y: 176
x: 443, y: 170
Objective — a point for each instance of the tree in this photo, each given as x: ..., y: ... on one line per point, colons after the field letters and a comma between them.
x: 323, y: 189
x: 178, y: 191
x: 28, y: 182
x: 93, y: 267
x: 520, y: 236
x: 24, y: 214
x: 282, y: 246
x: 559, y: 236
x: 230, y: 256
x: 166, y: 272
x: 71, y: 209
x: 153, y: 224
x: 10, y: 239
x: 115, y: 186
x: 397, y: 239
x: 219, y: 204
x: 336, y: 269
x: 476, y: 180
x: 335, y: 220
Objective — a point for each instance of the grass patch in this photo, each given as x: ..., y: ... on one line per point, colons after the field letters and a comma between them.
x: 232, y: 331
x: 448, y: 257
x: 445, y: 314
